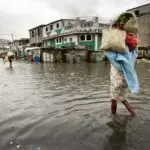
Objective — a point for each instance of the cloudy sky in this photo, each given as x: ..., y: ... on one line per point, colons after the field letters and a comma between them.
x: 17, y: 16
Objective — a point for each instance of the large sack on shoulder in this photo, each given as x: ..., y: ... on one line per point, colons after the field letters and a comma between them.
x: 131, y: 26
x: 113, y: 40
x: 10, y: 54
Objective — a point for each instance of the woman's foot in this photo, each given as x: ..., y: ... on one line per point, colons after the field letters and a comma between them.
x: 113, y: 106
x: 128, y: 106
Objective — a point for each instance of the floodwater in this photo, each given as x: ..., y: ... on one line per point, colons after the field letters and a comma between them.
x: 67, y: 107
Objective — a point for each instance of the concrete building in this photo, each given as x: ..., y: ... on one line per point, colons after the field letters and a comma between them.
x: 36, y: 36
x: 19, y: 45
x: 4, y: 46
x: 72, y: 33
x: 143, y: 14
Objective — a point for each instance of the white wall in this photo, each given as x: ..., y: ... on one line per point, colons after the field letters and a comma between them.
x: 68, y: 22
x: 54, y: 28
x: 74, y: 38
x: 61, y: 23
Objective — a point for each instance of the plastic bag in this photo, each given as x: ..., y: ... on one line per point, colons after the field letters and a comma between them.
x: 131, y: 26
x: 113, y: 40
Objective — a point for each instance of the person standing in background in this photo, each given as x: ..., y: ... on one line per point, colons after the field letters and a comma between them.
x: 10, y: 56
x: 10, y: 61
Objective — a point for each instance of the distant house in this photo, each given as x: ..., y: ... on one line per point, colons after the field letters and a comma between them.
x: 19, y: 45
x: 36, y: 36
x: 74, y: 32
x: 143, y: 14
x: 4, y: 46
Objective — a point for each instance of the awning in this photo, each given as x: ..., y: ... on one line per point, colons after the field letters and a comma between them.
x: 31, y: 48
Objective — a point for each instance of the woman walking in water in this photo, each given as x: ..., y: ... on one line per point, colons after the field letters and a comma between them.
x: 10, y: 56
x: 10, y: 61
x: 122, y: 72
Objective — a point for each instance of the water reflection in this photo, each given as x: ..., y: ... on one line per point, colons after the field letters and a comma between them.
x: 117, y: 140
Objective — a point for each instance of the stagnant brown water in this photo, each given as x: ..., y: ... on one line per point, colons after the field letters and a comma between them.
x: 66, y: 107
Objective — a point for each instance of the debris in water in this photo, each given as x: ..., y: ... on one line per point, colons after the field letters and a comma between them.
x: 142, y: 122
x: 11, y: 143
x: 18, y: 146
x: 144, y: 60
x: 11, y: 109
x: 38, y: 148
x: 72, y: 74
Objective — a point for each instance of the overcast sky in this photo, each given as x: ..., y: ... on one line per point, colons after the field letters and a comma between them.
x: 18, y: 16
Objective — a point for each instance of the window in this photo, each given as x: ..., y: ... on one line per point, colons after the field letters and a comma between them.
x: 137, y: 12
x: 82, y: 38
x: 89, y: 24
x: 32, y: 33
x: 70, y: 39
x: 59, y: 40
x: 89, y: 37
x: 100, y: 25
x: 65, y: 39
x: 57, y: 25
x: 51, y: 27
x: 46, y: 29
x: 39, y: 32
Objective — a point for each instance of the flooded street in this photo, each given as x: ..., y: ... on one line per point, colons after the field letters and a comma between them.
x: 67, y: 107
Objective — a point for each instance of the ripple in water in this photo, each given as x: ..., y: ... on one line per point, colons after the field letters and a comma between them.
x: 63, y: 106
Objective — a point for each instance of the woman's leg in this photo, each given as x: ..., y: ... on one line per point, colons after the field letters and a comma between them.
x: 123, y: 97
x: 113, y: 106
x: 129, y: 108
x: 113, y: 89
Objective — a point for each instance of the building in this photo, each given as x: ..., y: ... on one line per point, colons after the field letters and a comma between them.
x: 19, y: 45
x: 72, y: 33
x: 4, y: 46
x: 36, y: 36
x: 143, y: 14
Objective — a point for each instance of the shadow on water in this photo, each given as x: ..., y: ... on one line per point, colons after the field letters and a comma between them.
x: 117, y: 140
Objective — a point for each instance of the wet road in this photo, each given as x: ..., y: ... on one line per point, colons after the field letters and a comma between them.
x: 66, y: 107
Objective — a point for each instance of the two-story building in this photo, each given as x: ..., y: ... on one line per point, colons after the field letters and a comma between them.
x: 72, y: 33
x: 36, y: 36
x: 143, y: 14
x: 19, y: 45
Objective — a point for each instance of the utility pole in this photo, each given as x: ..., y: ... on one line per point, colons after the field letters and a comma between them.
x: 12, y: 38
